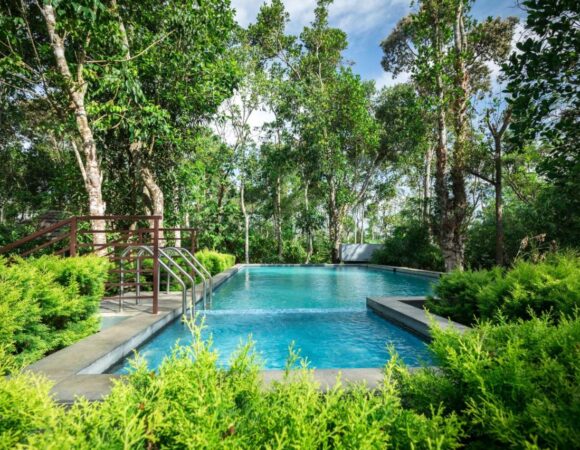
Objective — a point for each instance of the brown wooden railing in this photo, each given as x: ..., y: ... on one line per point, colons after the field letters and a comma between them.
x: 76, y: 236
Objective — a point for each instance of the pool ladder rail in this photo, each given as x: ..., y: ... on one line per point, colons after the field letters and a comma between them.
x: 174, y: 270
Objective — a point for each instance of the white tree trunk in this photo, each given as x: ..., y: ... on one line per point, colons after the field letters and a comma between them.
x: 76, y: 89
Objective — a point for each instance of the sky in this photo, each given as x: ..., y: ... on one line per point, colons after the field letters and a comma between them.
x: 367, y: 23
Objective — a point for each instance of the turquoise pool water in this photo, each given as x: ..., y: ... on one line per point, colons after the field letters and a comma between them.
x: 321, y: 310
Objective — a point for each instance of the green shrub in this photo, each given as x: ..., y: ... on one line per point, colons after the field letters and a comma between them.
x: 215, y: 262
x: 526, y: 290
x: 192, y: 403
x: 456, y: 294
x: 293, y: 253
x: 410, y: 246
x: 49, y: 303
x: 514, y: 385
x: 26, y: 409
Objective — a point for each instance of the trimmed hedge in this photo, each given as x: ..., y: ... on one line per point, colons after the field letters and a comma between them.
x: 215, y: 262
x: 48, y: 303
x: 522, y: 292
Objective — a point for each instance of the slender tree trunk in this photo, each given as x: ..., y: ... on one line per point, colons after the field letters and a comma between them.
x: 278, y: 212
x: 427, y: 183
x: 90, y: 167
x: 362, y: 225
x: 246, y: 223
x: 499, y: 231
x: 334, y: 224
x: 310, y: 249
x: 155, y: 194
x: 355, y: 226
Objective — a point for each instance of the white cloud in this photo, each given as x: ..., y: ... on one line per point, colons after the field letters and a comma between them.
x: 386, y: 79
x: 353, y: 16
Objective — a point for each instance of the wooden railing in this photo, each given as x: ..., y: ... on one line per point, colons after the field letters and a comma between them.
x: 76, y: 236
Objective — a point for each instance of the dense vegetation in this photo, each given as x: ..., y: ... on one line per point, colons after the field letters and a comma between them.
x: 525, y: 291
x: 215, y: 262
x: 513, y: 385
x: 150, y: 107
x: 49, y: 303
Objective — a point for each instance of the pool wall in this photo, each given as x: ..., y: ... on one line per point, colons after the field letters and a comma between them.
x: 78, y: 369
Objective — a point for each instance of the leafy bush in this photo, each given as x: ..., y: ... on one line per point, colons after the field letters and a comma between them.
x: 215, y: 262
x: 293, y: 253
x: 526, y: 290
x: 514, y: 385
x: 49, y: 303
x: 457, y: 294
x: 509, y: 385
x: 410, y: 246
x: 191, y: 403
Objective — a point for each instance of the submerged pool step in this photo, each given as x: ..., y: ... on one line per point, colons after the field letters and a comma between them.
x: 226, y: 312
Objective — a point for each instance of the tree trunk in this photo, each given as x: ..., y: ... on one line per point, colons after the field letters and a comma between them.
x: 362, y: 225
x: 334, y: 225
x: 90, y: 167
x: 427, y: 183
x: 310, y: 249
x: 156, y: 196
x: 278, y: 213
x: 246, y: 223
x: 499, y: 231
x: 460, y: 104
x: 445, y: 232
x: 335, y: 231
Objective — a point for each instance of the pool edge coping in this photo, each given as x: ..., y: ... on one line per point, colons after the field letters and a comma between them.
x: 398, y: 310
x: 77, y: 370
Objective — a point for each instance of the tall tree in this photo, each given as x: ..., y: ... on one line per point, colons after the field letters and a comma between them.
x: 447, y: 51
x: 545, y: 89
x: 53, y: 47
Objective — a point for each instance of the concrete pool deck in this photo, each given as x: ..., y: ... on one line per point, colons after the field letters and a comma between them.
x: 78, y: 370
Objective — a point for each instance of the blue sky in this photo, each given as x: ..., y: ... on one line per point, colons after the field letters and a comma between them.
x: 366, y: 22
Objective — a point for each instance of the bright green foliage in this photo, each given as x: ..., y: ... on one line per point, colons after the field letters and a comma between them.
x: 26, y: 408
x: 514, y: 385
x: 410, y: 245
x: 457, y: 294
x: 508, y: 385
x: 49, y: 303
x: 522, y: 292
x: 215, y: 262
x: 191, y: 403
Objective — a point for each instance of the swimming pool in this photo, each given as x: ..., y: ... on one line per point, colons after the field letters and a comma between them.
x: 321, y: 310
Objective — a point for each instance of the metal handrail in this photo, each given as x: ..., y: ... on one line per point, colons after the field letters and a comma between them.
x: 207, y: 283
x: 180, y: 269
x: 203, y: 269
x: 145, y: 248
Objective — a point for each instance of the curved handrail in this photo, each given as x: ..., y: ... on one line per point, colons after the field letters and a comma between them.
x: 145, y: 248
x: 180, y: 269
x: 203, y: 269
x: 184, y: 253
